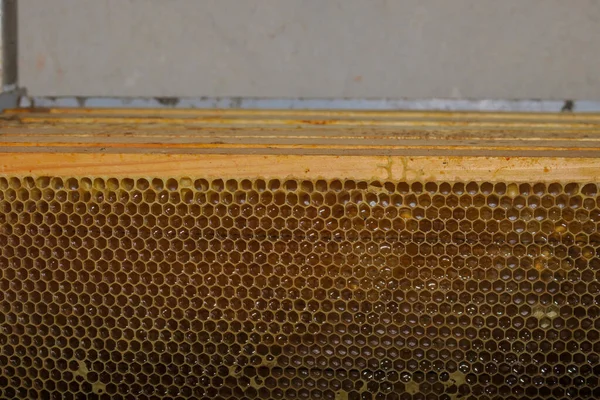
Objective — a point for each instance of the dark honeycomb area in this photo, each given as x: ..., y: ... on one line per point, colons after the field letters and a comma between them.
x: 271, y: 289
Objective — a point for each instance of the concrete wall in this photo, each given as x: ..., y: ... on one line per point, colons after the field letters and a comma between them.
x: 546, y: 49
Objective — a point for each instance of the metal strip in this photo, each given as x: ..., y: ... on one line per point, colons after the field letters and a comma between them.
x: 9, y: 45
x: 304, y: 103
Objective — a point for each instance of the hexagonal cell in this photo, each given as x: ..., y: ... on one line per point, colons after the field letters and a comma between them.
x: 194, y: 287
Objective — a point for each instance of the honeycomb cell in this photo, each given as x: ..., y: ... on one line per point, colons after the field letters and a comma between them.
x: 165, y: 287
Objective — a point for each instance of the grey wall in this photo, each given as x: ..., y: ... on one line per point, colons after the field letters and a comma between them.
x: 547, y: 49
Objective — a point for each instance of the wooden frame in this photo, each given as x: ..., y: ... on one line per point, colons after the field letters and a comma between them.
x: 437, y: 146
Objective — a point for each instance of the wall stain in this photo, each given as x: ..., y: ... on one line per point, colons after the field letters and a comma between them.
x: 569, y: 106
x: 168, y: 101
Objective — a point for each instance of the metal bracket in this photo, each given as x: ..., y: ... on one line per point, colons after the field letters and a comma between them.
x: 10, y: 94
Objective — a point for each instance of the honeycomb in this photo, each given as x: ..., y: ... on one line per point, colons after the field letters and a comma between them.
x: 341, y: 289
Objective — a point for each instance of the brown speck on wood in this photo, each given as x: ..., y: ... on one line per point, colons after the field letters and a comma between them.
x: 41, y: 110
x: 315, y: 122
x: 12, y: 118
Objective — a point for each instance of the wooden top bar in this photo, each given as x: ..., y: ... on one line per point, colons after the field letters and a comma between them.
x: 398, y: 145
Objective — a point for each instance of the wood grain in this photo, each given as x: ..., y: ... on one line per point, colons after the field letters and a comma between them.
x: 398, y: 168
x: 328, y: 144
